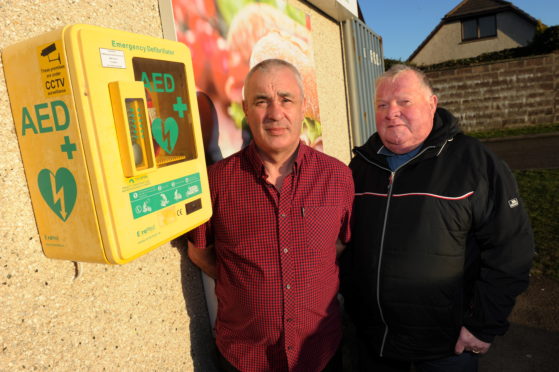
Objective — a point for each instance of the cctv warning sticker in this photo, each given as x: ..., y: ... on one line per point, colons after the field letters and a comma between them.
x: 52, y: 62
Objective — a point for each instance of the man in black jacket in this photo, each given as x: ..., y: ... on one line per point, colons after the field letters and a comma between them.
x: 441, y: 241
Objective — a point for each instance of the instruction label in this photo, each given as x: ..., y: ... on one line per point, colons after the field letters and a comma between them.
x: 154, y: 198
x: 52, y: 63
x: 112, y: 58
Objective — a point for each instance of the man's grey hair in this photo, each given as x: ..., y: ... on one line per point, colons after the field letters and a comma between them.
x: 268, y: 64
x: 397, y: 69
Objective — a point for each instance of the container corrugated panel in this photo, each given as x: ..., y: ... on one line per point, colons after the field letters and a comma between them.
x: 364, y: 62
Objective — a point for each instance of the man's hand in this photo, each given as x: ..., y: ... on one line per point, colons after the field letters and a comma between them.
x: 469, y: 342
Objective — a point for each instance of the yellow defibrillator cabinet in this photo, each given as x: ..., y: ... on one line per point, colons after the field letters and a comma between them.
x: 110, y: 138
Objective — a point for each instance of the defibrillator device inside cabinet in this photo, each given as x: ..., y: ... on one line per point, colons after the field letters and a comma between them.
x: 110, y: 138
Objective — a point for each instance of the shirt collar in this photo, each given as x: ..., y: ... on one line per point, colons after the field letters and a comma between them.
x: 395, y: 161
x: 258, y: 166
x: 385, y: 151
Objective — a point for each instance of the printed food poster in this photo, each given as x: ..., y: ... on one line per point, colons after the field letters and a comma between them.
x: 226, y: 38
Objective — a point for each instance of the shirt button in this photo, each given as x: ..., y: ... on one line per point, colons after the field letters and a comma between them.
x: 290, y: 348
x: 283, y: 215
x: 288, y: 286
x: 285, y: 250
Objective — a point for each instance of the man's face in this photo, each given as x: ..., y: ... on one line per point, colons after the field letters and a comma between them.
x: 274, y: 108
x: 404, y: 112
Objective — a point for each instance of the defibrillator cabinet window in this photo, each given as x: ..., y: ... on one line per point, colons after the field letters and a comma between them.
x: 169, y: 109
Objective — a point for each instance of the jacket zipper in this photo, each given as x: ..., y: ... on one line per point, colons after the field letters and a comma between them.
x: 388, y: 197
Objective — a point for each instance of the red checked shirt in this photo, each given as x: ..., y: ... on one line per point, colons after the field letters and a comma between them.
x: 277, y: 275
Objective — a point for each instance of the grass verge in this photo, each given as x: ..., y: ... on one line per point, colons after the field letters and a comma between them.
x: 539, y: 190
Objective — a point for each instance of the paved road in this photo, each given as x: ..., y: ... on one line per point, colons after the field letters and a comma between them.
x: 528, y: 152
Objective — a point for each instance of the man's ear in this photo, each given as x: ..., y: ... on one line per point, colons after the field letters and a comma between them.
x: 244, y: 103
x: 433, y: 100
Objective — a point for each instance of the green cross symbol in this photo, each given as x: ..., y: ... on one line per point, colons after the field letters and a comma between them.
x: 180, y: 107
x: 68, y: 147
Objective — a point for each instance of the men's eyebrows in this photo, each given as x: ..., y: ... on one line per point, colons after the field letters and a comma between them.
x: 264, y: 96
x: 286, y: 95
x: 260, y: 96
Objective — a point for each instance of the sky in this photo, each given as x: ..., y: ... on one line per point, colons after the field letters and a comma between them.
x: 405, y: 24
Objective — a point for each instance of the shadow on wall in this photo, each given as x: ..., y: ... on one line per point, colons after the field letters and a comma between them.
x: 202, y: 344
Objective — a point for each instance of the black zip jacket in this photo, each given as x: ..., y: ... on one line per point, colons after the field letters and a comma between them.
x: 440, y: 243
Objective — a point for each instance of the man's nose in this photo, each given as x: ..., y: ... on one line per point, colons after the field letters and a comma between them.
x: 274, y: 111
x: 393, y: 111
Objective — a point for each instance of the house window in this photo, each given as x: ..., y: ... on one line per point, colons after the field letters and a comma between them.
x: 479, y: 28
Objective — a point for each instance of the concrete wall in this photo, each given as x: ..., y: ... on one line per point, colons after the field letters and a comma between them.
x: 512, y: 31
x: 148, y: 315
x: 505, y: 94
x: 331, y: 85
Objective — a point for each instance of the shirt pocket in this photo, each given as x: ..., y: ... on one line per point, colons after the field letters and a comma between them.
x: 322, y: 227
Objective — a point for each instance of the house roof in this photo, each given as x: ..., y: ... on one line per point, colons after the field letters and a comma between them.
x: 471, y: 8
x: 474, y: 8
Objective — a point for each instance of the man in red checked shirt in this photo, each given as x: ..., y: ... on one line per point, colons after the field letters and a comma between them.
x: 281, y: 213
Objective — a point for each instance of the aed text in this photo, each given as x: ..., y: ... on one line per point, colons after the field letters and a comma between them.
x: 159, y: 82
x: 45, y: 118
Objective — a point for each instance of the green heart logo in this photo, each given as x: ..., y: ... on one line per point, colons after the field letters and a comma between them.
x: 59, y: 191
x: 165, y: 134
